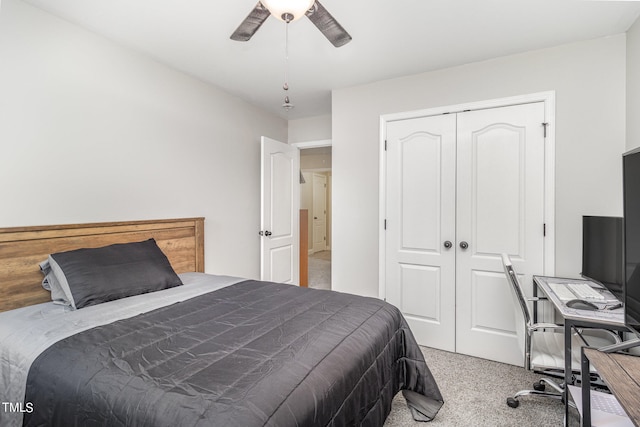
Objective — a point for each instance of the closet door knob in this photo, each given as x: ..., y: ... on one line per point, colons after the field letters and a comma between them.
x: 448, y: 244
x: 464, y: 245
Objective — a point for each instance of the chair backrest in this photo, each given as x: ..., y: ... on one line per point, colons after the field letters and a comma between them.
x: 521, y: 309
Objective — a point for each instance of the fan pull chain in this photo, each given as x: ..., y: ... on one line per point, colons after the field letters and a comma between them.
x: 287, y: 104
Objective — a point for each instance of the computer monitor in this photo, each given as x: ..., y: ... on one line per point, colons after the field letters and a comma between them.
x: 631, y: 199
x: 602, y: 251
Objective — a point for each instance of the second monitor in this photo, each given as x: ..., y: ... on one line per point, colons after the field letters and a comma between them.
x: 602, y: 252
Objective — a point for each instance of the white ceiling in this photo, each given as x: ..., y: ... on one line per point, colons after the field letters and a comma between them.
x: 391, y: 38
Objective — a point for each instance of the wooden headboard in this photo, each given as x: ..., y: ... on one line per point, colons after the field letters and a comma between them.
x: 23, y: 248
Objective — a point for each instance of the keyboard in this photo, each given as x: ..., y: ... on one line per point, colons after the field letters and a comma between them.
x: 584, y: 291
x: 569, y: 291
x: 562, y: 291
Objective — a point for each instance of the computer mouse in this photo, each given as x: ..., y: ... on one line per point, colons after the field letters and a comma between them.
x: 581, y: 304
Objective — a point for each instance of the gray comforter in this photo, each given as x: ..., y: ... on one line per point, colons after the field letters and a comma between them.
x: 252, y: 354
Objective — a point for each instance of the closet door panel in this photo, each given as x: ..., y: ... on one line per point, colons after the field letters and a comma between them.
x: 497, y: 225
x: 420, y: 213
x: 500, y: 209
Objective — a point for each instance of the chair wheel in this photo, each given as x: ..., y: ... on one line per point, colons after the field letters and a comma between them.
x: 539, y: 386
x: 513, y: 403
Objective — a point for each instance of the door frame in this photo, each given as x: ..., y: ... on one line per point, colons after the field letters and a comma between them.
x: 549, y: 99
x: 315, y: 144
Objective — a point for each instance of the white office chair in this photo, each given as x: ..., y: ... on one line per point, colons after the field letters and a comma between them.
x: 542, y: 344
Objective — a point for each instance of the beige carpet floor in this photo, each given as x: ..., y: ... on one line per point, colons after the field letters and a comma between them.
x: 475, y: 393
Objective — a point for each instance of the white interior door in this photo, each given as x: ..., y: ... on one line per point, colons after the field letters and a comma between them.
x: 420, y: 219
x: 279, y: 219
x: 500, y: 208
x: 319, y: 212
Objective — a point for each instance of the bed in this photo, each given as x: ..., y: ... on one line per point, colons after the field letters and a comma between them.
x: 201, y: 350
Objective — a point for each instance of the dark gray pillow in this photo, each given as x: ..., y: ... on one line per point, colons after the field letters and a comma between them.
x: 94, y: 276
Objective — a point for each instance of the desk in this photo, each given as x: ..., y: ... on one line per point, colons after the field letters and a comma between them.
x: 621, y: 373
x: 573, y: 318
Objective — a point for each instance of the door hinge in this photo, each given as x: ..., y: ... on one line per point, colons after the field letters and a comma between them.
x: 544, y: 230
x: 544, y: 127
x: 385, y: 145
x: 385, y: 224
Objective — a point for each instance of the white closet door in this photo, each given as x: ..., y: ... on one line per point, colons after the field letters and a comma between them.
x: 500, y: 208
x: 420, y: 213
x: 475, y: 179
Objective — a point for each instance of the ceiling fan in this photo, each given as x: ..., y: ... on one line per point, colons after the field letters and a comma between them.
x: 289, y: 11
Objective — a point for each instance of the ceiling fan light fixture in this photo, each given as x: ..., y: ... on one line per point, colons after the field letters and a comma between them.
x: 282, y: 8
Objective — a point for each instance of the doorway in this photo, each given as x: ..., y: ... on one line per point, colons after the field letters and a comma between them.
x: 315, y: 202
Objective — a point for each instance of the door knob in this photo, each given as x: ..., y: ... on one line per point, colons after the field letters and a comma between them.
x: 267, y: 233
x: 464, y: 245
x: 447, y: 244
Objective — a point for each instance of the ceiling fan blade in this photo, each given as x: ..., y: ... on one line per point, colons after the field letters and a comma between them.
x: 327, y: 24
x: 251, y: 23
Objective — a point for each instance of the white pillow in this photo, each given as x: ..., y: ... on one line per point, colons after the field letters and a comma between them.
x: 59, y: 295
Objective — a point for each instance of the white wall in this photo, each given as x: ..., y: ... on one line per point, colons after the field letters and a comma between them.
x: 315, y: 128
x: 589, y: 80
x: 633, y: 86
x: 90, y: 131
